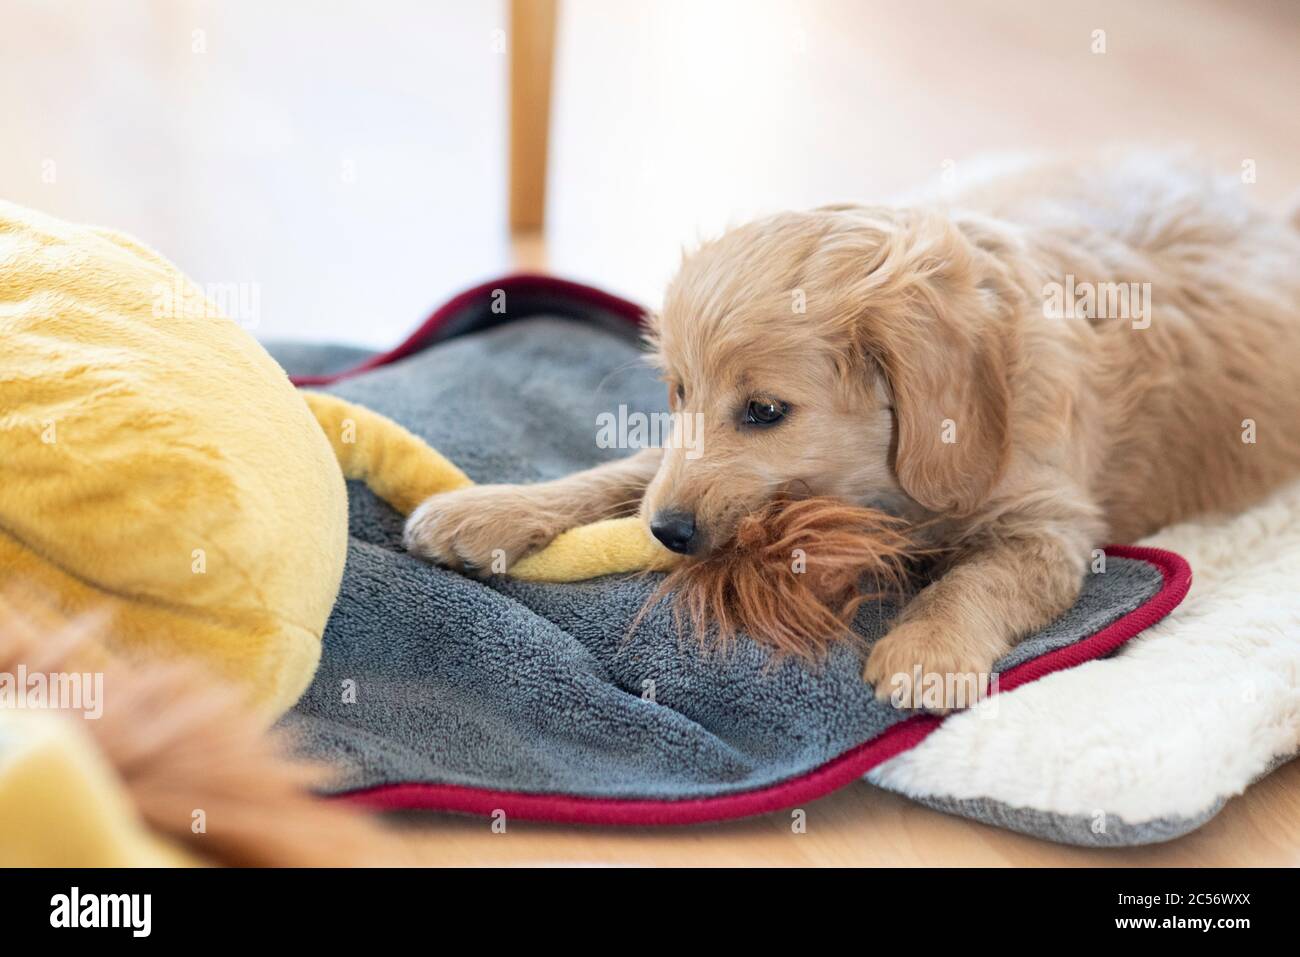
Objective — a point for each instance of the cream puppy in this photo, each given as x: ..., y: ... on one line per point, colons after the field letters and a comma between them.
x: 1069, y: 355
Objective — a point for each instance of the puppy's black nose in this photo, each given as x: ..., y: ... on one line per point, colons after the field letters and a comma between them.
x: 676, y: 530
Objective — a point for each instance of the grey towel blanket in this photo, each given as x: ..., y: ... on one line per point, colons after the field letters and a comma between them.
x: 440, y: 691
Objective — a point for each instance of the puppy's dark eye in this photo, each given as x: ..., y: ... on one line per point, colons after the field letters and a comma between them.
x: 765, y: 411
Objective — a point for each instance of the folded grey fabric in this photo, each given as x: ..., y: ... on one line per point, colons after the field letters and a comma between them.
x: 445, y: 692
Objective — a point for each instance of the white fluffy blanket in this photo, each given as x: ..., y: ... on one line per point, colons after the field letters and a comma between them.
x: 1187, y: 714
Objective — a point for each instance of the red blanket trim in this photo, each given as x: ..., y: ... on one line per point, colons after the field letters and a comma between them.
x: 519, y: 283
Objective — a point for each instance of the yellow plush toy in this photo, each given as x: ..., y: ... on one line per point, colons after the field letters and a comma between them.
x: 162, y: 478
x: 158, y: 469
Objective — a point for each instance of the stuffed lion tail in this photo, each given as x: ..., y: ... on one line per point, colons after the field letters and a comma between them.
x: 404, y: 470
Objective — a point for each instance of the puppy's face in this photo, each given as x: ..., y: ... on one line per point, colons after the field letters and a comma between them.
x: 781, y: 421
x: 771, y: 402
x: 761, y: 343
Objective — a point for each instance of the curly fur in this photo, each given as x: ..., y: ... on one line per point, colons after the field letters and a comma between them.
x: 793, y: 577
x: 927, y: 362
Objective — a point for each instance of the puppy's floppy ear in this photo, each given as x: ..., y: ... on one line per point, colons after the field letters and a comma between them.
x: 935, y: 311
x: 652, y: 325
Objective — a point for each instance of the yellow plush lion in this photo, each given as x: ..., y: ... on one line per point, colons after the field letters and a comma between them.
x: 161, y: 478
x: 159, y: 470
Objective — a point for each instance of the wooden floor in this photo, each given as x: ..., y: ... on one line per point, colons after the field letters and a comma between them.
x: 348, y: 159
x: 676, y: 118
x: 860, y: 826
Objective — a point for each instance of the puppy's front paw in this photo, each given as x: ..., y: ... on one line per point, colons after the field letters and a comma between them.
x: 480, y: 530
x: 930, y: 665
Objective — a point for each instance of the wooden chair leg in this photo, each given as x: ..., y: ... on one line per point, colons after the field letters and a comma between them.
x: 532, y: 52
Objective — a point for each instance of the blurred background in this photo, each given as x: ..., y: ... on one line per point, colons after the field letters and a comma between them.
x: 360, y: 162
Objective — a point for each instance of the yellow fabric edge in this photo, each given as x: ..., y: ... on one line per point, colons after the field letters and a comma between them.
x: 70, y: 806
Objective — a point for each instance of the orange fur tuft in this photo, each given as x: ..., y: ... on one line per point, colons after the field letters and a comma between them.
x: 181, y: 742
x: 755, y: 583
